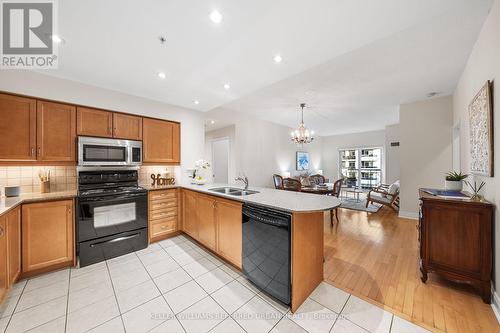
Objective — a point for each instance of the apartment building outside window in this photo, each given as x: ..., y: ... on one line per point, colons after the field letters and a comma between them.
x: 361, y: 167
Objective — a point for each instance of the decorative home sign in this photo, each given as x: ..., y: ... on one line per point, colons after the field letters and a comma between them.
x: 302, y: 161
x: 481, y: 132
x: 158, y: 180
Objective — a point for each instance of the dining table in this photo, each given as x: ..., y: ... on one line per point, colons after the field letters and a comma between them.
x: 327, y: 188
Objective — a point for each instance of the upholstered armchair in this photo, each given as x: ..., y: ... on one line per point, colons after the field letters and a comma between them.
x: 385, y: 194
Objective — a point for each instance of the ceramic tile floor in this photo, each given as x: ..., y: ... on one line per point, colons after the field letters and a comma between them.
x: 176, y: 286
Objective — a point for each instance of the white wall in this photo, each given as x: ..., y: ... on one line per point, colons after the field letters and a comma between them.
x: 425, y: 152
x: 44, y: 86
x: 392, y: 162
x: 332, y: 144
x: 483, y: 64
x: 262, y: 148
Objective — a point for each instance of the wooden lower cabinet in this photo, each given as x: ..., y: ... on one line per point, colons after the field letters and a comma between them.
x: 215, y: 223
x: 4, y: 272
x: 47, y: 236
x: 10, y: 250
x: 14, y: 244
x: 206, y: 223
x: 163, y: 214
x: 229, y: 230
x: 190, y: 213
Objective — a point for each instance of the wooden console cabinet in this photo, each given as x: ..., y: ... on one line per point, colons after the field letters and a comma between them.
x: 455, y: 241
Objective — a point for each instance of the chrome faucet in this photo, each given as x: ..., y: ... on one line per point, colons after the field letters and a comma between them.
x: 243, y: 179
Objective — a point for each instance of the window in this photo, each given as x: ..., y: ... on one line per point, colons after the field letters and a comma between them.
x: 361, y: 167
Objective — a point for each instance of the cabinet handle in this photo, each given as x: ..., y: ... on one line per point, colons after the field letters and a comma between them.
x: 32, y: 151
x: 163, y: 227
x: 39, y: 150
x: 1, y: 231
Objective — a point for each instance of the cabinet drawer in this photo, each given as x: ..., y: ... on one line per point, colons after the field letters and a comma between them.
x: 162, y: 204
x: 166, y: 226
x: 166, y: 194
x: 164, y: 213
x: 165, y: 219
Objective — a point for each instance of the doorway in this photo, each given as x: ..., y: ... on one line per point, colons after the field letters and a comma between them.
x: 220, y: 160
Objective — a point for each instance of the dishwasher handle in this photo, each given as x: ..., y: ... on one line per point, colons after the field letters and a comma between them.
x: 269, y: 217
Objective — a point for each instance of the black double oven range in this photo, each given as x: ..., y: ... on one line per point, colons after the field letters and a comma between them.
x: 112, y: 209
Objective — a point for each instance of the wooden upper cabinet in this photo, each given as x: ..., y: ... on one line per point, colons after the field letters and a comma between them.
x: 229, y: 230
x: 47, y: 235
x: 56, y: 132
x: 4, y: 275
x: 206, y: 221
x: 17, y: 128
x: 127, y: 126
x: 14, y: 244
x: 93, y: 122
x: 161, y: 141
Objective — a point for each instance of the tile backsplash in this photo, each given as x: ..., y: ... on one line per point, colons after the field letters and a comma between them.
x: 146, y: 171
x: 62, y: 178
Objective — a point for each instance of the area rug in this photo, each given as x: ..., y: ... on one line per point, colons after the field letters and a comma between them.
x: 350, y: 203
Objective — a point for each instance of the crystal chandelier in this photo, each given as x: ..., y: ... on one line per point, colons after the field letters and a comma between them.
x: 302, y: 135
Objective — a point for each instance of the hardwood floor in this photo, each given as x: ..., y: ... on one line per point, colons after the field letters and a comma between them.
x: 375, y: 257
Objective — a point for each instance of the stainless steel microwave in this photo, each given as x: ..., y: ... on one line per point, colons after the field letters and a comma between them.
x: 108, y: 152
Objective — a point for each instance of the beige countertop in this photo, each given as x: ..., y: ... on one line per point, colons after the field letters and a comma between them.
x: 269, y: 197
x: 8, y: 203
x: 284, y: 200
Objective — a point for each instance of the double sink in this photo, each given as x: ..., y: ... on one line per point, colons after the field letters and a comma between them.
x: 237, y: 192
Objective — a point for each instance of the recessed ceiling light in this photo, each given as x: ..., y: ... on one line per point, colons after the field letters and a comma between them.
x: 227, y: 86
x: 196, y: 102
x: 212, y: 122
x: 162, y: 75
x: 216, y: 17
x: 56, y: 39
x: 277, y: 59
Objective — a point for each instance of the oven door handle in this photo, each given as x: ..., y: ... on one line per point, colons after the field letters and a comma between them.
x: 113, y: 197
x: 115, y: 240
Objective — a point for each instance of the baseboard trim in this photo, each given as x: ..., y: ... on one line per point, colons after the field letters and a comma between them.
x: 495, y: 304
x: 408, y: 215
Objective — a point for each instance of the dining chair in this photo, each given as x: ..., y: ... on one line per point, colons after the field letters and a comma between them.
x: 278, y: 182
x: 317, y: 179
x: 337, y: 187
x: 290, y: 184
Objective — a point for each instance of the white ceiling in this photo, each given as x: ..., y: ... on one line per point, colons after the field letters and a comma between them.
x: 354, y: 61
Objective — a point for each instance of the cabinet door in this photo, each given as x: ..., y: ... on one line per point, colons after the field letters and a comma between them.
x: 47, y: 235
x: 18, y: 128
x: 189, y: 213
x: 56, y: 132
x: 127, y: 127
x: 4, y: 279
x: 206, y: 221
x: 229, y: 230
x: 93, y: 122
x: 161, y: 141
x: 14, y: 244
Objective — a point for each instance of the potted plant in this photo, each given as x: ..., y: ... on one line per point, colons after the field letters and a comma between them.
x: 453, y: 180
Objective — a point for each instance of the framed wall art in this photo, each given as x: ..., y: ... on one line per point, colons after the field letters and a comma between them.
x: 481, y: 132
x: 302, y: 161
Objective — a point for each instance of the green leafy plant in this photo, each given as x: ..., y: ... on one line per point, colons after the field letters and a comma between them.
x: 456, y: 176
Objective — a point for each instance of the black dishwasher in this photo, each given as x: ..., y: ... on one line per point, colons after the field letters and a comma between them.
x: 267, y: 250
